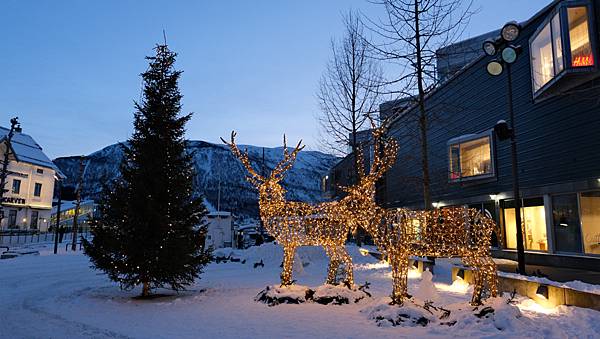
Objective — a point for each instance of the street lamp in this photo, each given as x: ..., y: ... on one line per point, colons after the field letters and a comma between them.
x: 505, y: 55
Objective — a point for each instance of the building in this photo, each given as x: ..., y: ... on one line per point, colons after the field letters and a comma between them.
x: 556, y: 88
x: 220, y: 229
x: 30, y: 184
x: 555, y: 83
x: 87, y: 210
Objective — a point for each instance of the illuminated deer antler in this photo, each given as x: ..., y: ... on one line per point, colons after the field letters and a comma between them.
x: 244, y: 158
x: 288, y: 159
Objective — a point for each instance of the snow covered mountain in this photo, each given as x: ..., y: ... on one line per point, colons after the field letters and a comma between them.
x: 214, y: 163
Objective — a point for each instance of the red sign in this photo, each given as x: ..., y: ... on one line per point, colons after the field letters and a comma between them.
x: 583, y: 60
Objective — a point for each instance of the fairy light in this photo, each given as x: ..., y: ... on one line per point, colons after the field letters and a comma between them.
x: 447, y: 232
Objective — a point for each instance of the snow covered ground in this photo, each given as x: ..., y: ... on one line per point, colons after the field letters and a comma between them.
x: 59, y: 296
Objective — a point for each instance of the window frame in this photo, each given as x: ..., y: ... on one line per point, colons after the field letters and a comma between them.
x: 562, y: 11
x: 35, y: 186
x: 464, y: 139
x: 18, y: 190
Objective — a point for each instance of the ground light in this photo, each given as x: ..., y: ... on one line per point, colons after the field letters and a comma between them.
x: 542, y: 291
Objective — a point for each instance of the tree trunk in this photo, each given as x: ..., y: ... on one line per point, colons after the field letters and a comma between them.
x: 146, y: 289
x: 422, y: 113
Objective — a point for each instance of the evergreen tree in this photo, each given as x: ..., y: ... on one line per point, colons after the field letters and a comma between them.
x: 150, y: 229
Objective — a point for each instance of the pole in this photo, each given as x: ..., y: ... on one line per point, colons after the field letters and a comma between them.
x: 515, y: 173
x: 56, y: 233
x: 77, y: 204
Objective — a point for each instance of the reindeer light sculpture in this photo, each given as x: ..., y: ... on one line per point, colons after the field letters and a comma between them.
x: 295, y: 224
x: 448, y: 232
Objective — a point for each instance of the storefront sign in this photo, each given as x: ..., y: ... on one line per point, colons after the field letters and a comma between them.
x: 13, y: 200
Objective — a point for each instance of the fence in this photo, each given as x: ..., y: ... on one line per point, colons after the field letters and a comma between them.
x: 14, y: 238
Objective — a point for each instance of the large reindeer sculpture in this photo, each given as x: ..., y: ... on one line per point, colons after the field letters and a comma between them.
x: 295, y: 224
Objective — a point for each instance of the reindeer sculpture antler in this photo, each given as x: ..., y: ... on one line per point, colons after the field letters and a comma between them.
x: 254, y: 177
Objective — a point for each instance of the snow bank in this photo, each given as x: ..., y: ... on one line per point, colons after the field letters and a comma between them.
x: 325, y: 295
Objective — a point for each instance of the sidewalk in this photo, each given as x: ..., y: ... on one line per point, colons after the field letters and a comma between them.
x: 559, y: 274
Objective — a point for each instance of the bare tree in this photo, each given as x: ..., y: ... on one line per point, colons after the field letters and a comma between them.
x: 410, y: 34
x: 349, y: 90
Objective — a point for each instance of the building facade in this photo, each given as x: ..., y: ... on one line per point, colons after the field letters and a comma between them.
x: 555, y: 84
x: 220, y: 229
x: 27, y: 203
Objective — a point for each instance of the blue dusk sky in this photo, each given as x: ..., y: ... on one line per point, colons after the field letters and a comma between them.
x: 70, y: 69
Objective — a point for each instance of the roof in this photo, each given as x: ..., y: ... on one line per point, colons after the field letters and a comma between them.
x: 396, y: 117
x: 25, y: 149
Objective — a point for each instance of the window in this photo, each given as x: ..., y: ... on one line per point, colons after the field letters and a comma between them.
x: 34, y: 220
x: 40, y: 171
x: 37, y: 190
x: 12, y: 219
x: 470, y: 157
x: 590, y: 221
x: 561, y: 44
x: 565, y: 215
x: 533, y: 218
x: 579, y: 37
x: 16, y: 186
x: 542, y: 58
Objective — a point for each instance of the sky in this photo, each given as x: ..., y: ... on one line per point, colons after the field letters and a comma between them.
x: 70, y: 69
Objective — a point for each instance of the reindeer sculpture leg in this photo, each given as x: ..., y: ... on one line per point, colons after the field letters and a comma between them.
x: 334, y: 264
x: 399, y: 263
x: 491, y: 274
x: 347, y: 260
x: 477, y: 266
x: 288, y: 264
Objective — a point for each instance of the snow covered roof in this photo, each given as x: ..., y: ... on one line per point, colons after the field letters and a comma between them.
x: 25, y: 149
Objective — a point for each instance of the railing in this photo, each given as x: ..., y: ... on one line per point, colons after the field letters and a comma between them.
x: 22, y: 237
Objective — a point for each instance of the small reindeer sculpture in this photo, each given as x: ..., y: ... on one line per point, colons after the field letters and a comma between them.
x: 445, y: 232
x: 295, y: 224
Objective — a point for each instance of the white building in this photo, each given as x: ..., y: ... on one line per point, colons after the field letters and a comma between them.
x: 30, y: 184
x: 220, y: 229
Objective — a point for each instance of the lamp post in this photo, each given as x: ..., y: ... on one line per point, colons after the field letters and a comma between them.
x: 506, y: 54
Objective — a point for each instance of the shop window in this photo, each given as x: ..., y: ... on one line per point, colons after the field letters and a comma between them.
x: 565, y: 215
x: 562, y: 44
x: 590, y: 221
x: 533, y: 217
x: 37, y: 189
x: 16, y: 186
x: 470, y: 157
x: 579, y: 36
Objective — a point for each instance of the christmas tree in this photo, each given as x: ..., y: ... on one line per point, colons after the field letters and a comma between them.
x: 150, y: 230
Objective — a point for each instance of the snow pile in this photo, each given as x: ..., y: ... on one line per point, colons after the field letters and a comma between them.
x: 324, y: 295
x: 275, y: 295
x: 496, y: 313
x: 409, y: 314
x: 339, y: 294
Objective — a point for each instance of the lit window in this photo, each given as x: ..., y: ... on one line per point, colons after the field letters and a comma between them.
x: 549, y: 57
x: 590, y: 221
x: 579, y: 36
x: 470, y: 157
x: 542, y: 59
x: 533, y: 218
